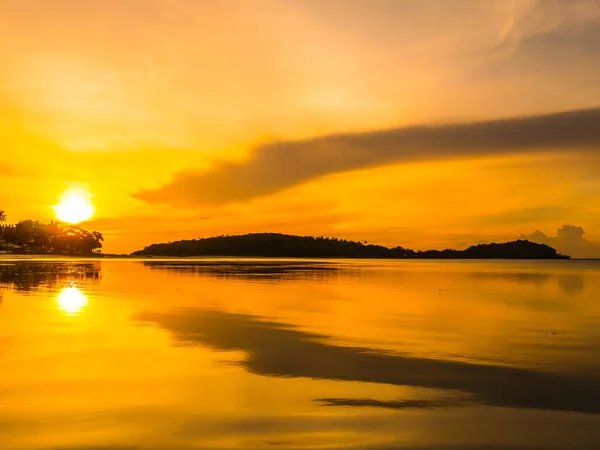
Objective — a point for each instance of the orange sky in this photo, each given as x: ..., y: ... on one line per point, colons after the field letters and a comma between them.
x: 188, y: 119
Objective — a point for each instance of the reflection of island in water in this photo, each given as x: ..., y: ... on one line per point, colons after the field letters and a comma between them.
x: 28, y: 275
x: 274, y: 270
x: 252, y: 270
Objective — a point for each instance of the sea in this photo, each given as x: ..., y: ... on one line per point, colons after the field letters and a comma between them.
x: 185, y: 354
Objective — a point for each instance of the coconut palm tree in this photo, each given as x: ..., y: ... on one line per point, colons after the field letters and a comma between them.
x: 2, y: 220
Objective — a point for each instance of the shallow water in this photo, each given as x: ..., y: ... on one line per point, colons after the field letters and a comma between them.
x: 293, y: 354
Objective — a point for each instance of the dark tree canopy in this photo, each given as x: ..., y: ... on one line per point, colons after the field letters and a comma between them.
x: 32, y: 236
x: 283, y: 245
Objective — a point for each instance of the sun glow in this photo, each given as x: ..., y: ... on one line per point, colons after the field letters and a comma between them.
x: 71, y: 300
x: 75, y: 205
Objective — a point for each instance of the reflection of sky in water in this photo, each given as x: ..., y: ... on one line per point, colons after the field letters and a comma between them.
x: 295, y: 354
x: 71, y: 300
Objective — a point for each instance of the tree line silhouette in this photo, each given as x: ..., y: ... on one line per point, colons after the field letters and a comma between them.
x: 283, y: 245
x: 32, y: 236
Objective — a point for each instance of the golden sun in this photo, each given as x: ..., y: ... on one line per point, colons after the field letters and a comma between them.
x: 75, y: 205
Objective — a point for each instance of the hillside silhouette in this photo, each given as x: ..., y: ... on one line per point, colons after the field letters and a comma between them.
x: 284, y: 245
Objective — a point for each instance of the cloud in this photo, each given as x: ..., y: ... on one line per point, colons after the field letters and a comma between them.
x: 534, y: 214
x: 547, y: 20
x: 280, y: 165
x: 6, y: 170
x: 558, y: 50
x: 569, y: 240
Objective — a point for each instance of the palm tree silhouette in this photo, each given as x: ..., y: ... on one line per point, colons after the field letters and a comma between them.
x: 2, y: 220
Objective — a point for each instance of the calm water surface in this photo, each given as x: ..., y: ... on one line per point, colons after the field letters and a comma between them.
x: 200, y: 354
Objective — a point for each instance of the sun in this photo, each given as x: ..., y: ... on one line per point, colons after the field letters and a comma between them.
x: 75, y: 205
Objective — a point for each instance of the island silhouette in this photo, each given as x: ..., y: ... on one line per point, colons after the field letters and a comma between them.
x: 285, y: 245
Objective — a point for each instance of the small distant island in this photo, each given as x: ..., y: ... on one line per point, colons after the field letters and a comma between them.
x: 285, y: 245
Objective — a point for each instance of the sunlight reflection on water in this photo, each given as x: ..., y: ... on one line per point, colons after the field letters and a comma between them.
x: 71, y: 300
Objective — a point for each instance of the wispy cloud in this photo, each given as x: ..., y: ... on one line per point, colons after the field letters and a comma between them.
x: 7, y: 170
x: 530, y: 19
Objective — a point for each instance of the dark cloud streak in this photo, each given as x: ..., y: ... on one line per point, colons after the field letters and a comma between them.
x: 280, y: 165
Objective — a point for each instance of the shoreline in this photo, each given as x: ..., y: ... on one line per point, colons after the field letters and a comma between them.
x: 42, y: 256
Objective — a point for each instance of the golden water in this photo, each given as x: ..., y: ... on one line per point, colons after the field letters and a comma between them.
x: 293, y: 354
